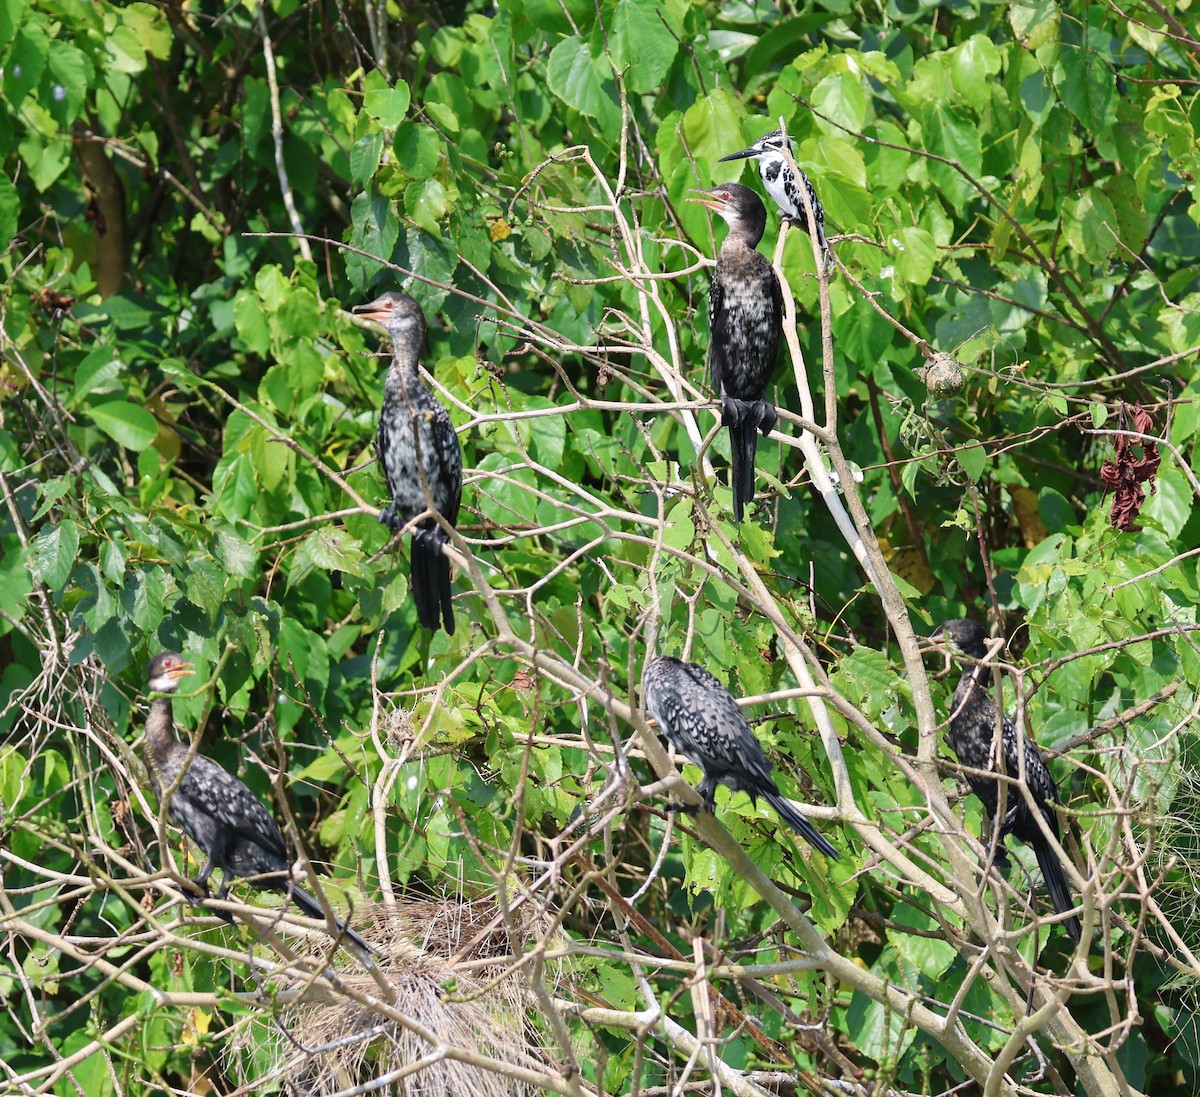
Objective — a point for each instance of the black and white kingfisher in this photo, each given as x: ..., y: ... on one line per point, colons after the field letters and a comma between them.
x: 781, y: 184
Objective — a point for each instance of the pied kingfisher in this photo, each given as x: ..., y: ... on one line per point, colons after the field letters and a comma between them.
x: 781, y: 184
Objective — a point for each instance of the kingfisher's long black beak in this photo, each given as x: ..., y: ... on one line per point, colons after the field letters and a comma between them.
x: 752, y: 151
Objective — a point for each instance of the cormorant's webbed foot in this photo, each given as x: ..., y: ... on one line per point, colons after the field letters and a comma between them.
x: 390, y: 519
x: 198, y: 893
x: 733, y: 411
x: 998, y: 856
x: 765, y: 416
x: 430, y: 537
x: 756, y: 414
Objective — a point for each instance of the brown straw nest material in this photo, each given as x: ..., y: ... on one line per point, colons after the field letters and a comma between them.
x: 340, y: 1039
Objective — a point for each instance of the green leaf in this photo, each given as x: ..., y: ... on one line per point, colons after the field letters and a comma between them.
x: 24, y: 67
x: 953, y: 133
x: 375, y: 230
x: 1088, y: 87
x: 151, y: 26
x: 426, y: 203
x: 915, y: 255
x: 972, y: 66
x: 45, y: 159
x: 53, y: 554
x: 878, y: 1032
x: 1090, y: 224
x: 386, y: 105
x: 840, y: 98
x: 10, y: 205
x: 925, y: 950
x: 1034, y: 22
x: 10, y: 17
x: 125, y: 50
x: 973, y: 459
x: 130, y: 425
x: 95, y: 371
x: 572, y: 75
x: 329, y: 550
x: 68, y: 77
x: 642, y: 42
x: 365, y: 156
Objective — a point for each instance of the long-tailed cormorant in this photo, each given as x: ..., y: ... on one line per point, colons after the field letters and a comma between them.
x: 216, y: 810
x: 745, y: 316
x: 699, y: 718
x: 972, y: 738
x: 782, y: 185
x: 421, y: 457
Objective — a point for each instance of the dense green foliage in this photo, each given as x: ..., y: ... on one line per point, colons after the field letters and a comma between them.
x: 191, y: 204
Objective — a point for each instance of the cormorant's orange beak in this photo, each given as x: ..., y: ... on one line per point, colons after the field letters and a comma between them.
x: 182, y: 670
x: 373, y: 310
x: 707, y: 199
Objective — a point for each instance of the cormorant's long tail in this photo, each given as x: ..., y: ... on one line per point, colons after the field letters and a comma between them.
x: 1056, y: 884
x: 789, y: 813
x: 430, y: 580
x: 743, y: 445
x: 312, y: 908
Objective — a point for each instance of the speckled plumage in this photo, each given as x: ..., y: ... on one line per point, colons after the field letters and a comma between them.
x: 972, y: 737
x: 745, y: 316
x: 782, y: 185
x: 421, y: 457
x: 699, y: 717
x: 215, y: 809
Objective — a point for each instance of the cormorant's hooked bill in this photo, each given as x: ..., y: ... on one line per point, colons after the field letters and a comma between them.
x: 782, y: 185
x: 972, y: 737
x: 698, y: 716
x: 421, y: 457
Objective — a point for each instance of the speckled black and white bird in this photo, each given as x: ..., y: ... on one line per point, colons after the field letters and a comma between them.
x: 972, y: 737
x: 421, y: 457
x: 214, y: 809
x: 745, y: 318
x: 698, y: 716
x: 782, y: 185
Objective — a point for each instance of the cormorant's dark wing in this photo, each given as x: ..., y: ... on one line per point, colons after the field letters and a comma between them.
x: 776, y: 318
x: 226, y: 803
x: 449, y: 460
x: 718, y: 336
x: 699, y: 718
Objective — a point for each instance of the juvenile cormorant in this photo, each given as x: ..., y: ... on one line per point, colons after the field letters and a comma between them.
x: 421, y: 457
x: 781, y: 184
x: 699, y: 718
x: 745, y: 317
x: 216, y: 810
x: 972, y: 738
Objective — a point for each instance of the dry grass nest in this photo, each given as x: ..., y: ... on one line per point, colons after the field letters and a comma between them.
x: 331, y: 1043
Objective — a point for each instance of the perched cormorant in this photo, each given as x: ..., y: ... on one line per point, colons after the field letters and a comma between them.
x: 781, y: 184
x: 216, y: 810
x: 699, y: 718
x: 745, y: 318
x: 972, y: 738
x: 421, y: 457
